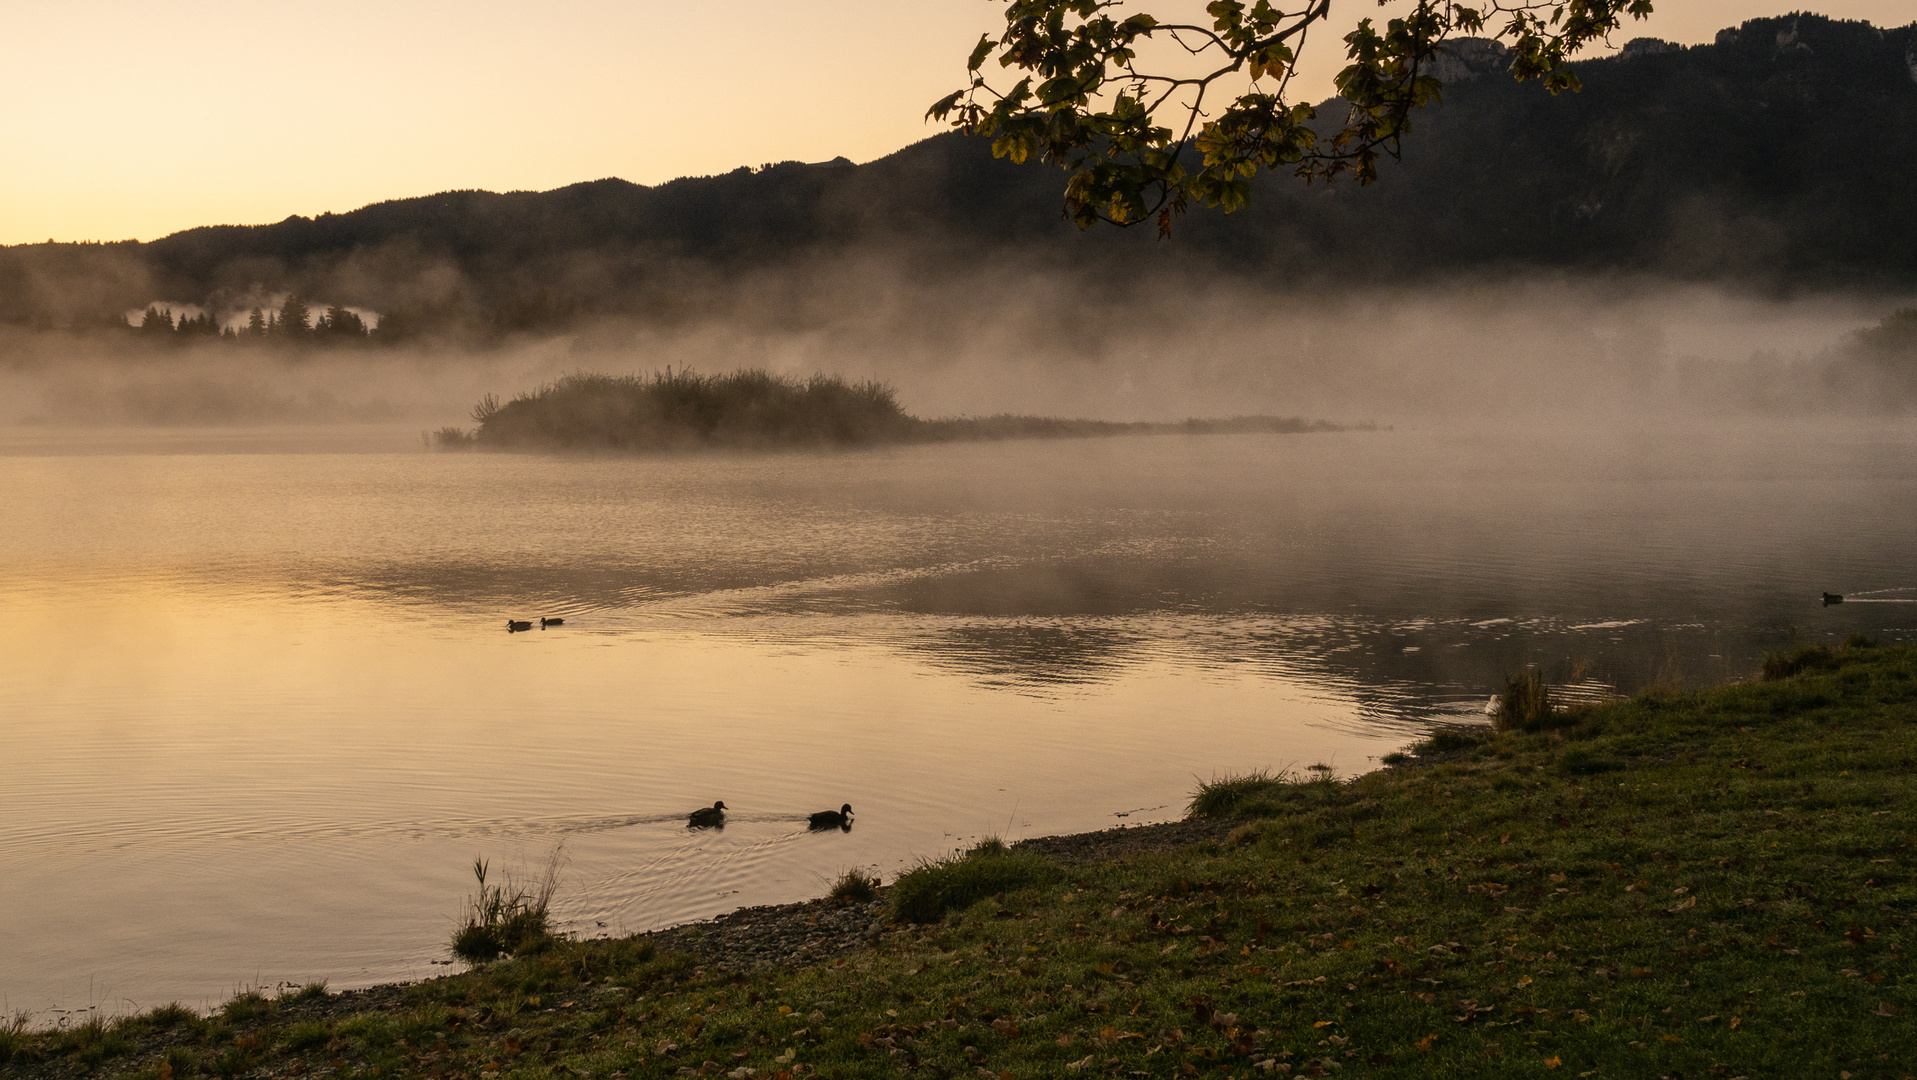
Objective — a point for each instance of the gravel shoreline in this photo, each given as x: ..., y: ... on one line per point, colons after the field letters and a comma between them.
x: 817, y: 931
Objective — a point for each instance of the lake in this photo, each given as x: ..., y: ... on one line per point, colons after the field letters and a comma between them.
x: 260, y: 712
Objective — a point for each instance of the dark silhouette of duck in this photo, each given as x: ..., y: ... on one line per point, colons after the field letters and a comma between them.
x: 545, y: 622
x: 707, y: 817
x: 832, y: 819
x: 1832, y: 598
x: 513, y: 626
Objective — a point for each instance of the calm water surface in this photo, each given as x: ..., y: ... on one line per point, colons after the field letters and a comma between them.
x: 259, y: 711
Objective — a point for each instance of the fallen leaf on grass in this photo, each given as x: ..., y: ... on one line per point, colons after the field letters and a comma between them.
x: 1885, y: 1008
x: 1081, y: 1063
x: 1553, y: 1062
x: 1736, y: 1020
x: 1425, y: 1043
x: 1687, y: 902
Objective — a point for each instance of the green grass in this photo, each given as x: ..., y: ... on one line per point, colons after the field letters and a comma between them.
x: 1700, y: 884
x: 929, y: 890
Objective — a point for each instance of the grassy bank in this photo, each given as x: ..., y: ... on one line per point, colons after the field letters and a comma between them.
x: 756, y: 410
x: 1708, y: 884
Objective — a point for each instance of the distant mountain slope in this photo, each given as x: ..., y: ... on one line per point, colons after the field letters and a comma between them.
x: 1781, y: 155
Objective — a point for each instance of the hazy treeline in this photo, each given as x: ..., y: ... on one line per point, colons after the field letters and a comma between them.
x: 294, y: 321
x: 1779, y: 156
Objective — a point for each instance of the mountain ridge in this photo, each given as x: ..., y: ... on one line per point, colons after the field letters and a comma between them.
x: 1776, y: 157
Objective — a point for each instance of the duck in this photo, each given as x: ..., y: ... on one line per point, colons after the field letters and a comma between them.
x: 545, y: 622
x: 1832, y: 598
x: 832, y: 819
x: 516, y: 625
x: 707, y: 817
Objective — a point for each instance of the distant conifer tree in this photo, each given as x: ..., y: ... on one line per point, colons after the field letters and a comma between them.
x: 339, y: 322
x: 256, y: 324
x: 294, y: 317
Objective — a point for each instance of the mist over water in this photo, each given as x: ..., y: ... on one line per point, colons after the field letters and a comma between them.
x: 1539, y: 352
x: 262, y: 711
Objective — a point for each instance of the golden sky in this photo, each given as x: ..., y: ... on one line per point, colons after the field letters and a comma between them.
x: 133, y: 119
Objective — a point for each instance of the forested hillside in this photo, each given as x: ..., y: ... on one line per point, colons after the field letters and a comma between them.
x: 1781, y: 156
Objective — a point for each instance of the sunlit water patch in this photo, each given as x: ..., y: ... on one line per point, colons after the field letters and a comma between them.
x: 260, y: 711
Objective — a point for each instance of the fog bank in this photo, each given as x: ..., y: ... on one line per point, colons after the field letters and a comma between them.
x: 1042, y: 341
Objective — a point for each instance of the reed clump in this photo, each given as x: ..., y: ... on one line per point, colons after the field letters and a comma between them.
x: 856, y: 887
x: 1525, y: 704
x: 507, y: 918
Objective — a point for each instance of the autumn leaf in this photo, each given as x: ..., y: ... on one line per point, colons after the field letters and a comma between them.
x: 1553, y: 1061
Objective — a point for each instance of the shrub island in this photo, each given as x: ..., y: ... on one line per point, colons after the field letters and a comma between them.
x: 757, y: 410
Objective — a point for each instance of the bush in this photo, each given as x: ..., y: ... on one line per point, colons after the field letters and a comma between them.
x: 927, y: 891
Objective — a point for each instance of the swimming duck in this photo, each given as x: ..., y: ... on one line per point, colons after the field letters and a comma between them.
x: 832, y: 819
x: 516, y: 625
x: 707, y: 817
x: 545, y: 622
x: 1832, y: 598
